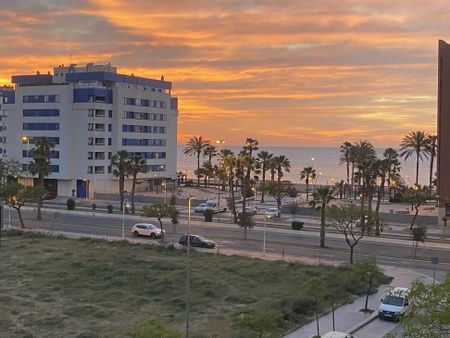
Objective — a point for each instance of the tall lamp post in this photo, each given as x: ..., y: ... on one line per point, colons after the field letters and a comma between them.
x: 164, y: 184
x: 188, y: 268
x: 26, y: 139
x: 124, y: 205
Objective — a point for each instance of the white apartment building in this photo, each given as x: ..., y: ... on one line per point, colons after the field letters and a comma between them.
x: 90, y: 113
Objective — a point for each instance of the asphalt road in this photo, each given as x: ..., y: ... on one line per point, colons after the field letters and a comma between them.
x: 231, y: 237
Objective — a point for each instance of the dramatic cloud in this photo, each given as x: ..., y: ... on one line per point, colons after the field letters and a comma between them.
x: 286, y: 72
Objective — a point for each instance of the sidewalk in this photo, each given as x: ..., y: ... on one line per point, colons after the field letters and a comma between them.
x: 348, y: 318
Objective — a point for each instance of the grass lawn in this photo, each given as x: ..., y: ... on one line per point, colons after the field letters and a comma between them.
x: 56, y: 287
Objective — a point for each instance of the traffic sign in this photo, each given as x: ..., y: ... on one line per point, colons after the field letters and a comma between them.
x: 434, y: 260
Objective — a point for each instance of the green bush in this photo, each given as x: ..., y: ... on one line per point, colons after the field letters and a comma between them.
x: 297, y: 225
x: 94, y: 206
x: 208, y: 213
x: 70, y: 204
x: 110, y: 208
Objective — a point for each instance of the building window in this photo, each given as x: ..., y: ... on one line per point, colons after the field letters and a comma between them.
x: 110, y: 113
x: 109, y: 141
x: 89, y: 169
x: 54, y: 168
x: 40, y: 98
x: 40, y: 112
x: 40, y: 126
x: 90, y: 155
x: 109, y: 169
x: 110, y: 127
x: 99, y: 169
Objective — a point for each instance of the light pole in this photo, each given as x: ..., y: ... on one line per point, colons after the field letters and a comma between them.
x: 188, y: 268
x: 124, y: 205
x: 264, y: 235
x: 164, y: 184
x: 26, y: 139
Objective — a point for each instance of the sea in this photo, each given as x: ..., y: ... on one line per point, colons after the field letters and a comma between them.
x: 324, y: 159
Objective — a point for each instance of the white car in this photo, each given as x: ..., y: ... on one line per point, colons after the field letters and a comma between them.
x: 272, y: 212
x: 146, y: 229
x: 249, y: 211
x: 394, y: 304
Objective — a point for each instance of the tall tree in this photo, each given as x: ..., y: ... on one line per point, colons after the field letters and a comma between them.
x: 40, y: 165
x: 208, y: 166
x: 196, y: 146
x: 308, y: 173
x: 160, y: 211
x: 431, y: 151
x: 263, y: 158
x: 281, y: 164
x: 321, y: 199
x: 415, y: 142
x: 136, y: 165
x: 120, y: 168
x: 393, y: 166
x: 346, y: 157
x: 16, y: 195
x: 346, y: 219
x: 382, y: 168
x: 230, y: 164
x: 429, y: 311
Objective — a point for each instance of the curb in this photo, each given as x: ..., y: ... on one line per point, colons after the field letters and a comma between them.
x: 363, y: 323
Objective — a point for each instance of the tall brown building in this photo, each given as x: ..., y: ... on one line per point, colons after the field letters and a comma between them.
x: 443, y: 107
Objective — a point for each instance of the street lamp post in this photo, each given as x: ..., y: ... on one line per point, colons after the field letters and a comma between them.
x: 26, y: 139
x: 164, y: 184
x: 188, y: 268
x: 264, y: 236
x: 124, y: 205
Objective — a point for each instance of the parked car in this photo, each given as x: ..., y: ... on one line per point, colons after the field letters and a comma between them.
x: 199, y: 209
x: 49, y: 195
x: 249, y: 211
x: 336, y: 334
x: 394, y: 304
x: 272, y: 213
x: 197, y: 241
x: 146, y: 229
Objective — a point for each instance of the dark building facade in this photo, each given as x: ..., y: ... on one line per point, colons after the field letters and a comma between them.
x: 443, y: 123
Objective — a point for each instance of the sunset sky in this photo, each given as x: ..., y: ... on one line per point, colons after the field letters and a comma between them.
x: 286, y: 72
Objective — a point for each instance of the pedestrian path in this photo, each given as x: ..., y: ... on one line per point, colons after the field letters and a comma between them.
x: 349, y: 318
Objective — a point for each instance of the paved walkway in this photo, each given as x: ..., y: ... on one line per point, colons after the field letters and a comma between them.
x: 348, y: 317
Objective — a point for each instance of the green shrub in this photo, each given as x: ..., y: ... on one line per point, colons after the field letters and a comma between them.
x: 297, y: 225
x: 110, y: 208
x: 94, y: 206
x: 208, y: 213
x: 70, y: 204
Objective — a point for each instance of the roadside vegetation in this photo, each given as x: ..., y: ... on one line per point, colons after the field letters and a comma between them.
x: 56, y: 287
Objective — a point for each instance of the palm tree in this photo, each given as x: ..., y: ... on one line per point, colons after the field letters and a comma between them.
x: 263, y: 158
x: 136, y: 165
x: 250, y: 146
x: 40, y: 165
x: 415, y: 142
x: 196, y: 146
x: 229, y: 165
x: 431, y: 150
x: 321, y: 199
x: 345, y: 157
x: 308, y: 173
x: 281, y: 164
x: 393, y: 166
x: 383, y: 169
x: 120, y: 169
x: 208, y: 168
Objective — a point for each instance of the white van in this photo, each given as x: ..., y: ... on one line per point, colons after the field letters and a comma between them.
x: 217, y: 205
x: 394, y: 304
